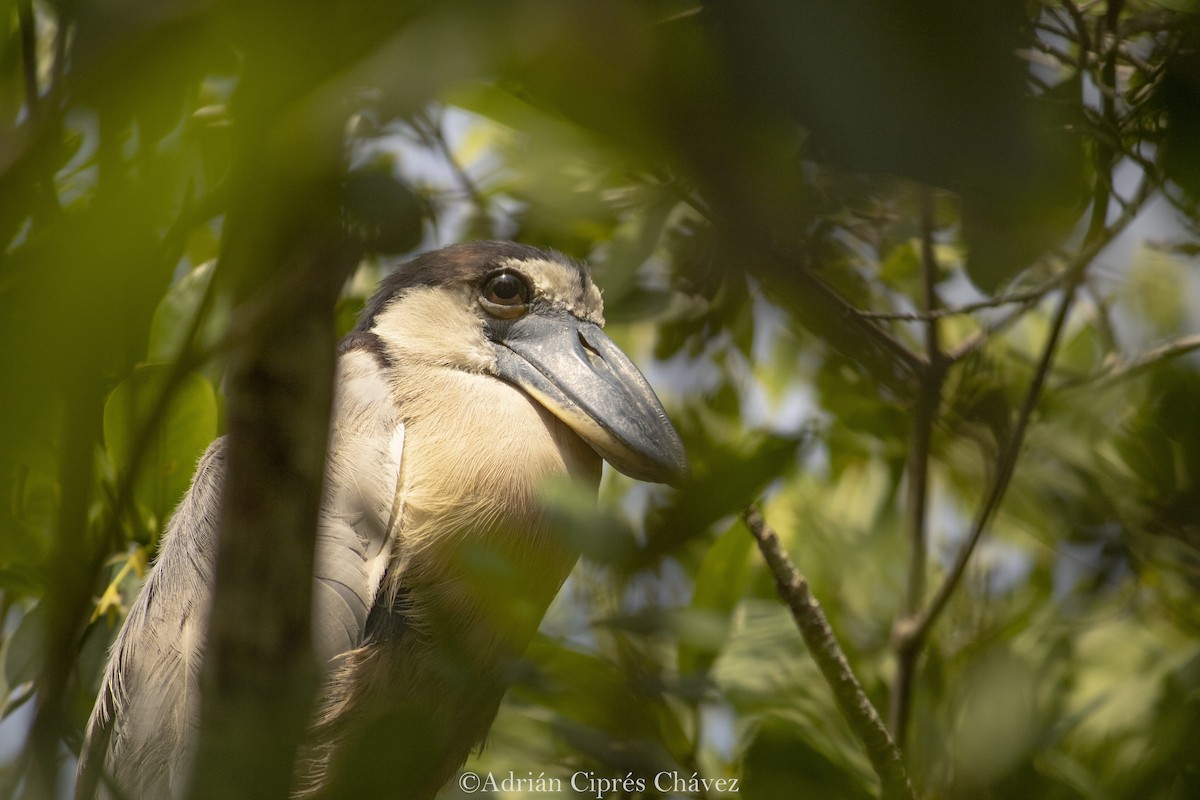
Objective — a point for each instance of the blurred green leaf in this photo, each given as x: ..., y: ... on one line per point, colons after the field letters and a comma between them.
x: 902, y: 264
x: 727, y: 474
x: 156, y: 437
x: 383, y: 213
x: 24, y: 650
x: 176, y: 314
x: 588, y: 691
x: 1154, y: 292
x: 720, y: 582
x: 780, y: 762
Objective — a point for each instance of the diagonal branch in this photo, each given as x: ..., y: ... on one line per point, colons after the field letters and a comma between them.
x: 823, y: 310
x: 1093, y: 244
x: 1131, y: 367
x: 1024, y: 297
x: 822, y: 645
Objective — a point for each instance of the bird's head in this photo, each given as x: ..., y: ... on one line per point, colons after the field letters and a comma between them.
x: 531, y: 318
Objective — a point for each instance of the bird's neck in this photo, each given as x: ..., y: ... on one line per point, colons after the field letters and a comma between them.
x: 477, y: 547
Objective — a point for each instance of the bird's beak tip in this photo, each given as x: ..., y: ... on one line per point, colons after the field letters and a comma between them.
x: 662, y: 461
x: 583, y: 378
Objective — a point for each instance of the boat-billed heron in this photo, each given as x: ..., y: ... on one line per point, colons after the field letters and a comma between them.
x: 476, y: 373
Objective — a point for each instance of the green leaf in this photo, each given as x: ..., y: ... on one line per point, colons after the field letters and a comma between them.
x: 726, y: 476
x: 590, y: 691
x: 782, y: 762
x: 22, y: 550
x: 155, y: 439
x: 382, y: 211
x: 23, y: 653
x: 174, y: 316
x: 902, y: 264
x: 1155, y: 282
x: 720, y: 582
x: 634, y: 241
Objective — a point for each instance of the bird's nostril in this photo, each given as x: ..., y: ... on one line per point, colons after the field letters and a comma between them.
x: 588, y: 345
x: 593, y: 354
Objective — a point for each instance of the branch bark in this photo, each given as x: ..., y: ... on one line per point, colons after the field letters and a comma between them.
x: 852, y: 701
x: 285, y: 259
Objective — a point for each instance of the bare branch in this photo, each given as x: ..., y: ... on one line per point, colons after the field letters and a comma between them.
x: 814, y: 627
x: 1151, y: 181
x: 1097, y: 237
x: 1128, y: 368
x: 29, y: 65
x: 823, y: 310
x: 925, y: 413
x: 1024, y: 298
x: 912, y: 634
x: 431, y: 132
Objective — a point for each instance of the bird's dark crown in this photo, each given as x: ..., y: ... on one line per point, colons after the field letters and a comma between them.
x: 458, y: 263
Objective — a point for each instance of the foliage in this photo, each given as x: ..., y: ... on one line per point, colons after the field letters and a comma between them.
x: 918, y: 277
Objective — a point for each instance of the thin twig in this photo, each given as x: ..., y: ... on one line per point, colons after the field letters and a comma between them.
x: 914, y: 631
x: 985, y: 334
x: 911, y: 633
x: 29, y: 65
x: 822, y: 645
x: 189, y: 358
x: 916, y: 503
x: 435, y: 137
x: 833, y: 317
x: 1088, y: 251
x: 1128, y: 368
x: 1025, y: 297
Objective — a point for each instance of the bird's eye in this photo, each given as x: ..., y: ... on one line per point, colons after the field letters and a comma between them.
x: 505, y: 294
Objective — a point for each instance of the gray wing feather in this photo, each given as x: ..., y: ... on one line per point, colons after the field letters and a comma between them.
x: 142, y: 731
x: 360, y: 509
x: 143, y: 726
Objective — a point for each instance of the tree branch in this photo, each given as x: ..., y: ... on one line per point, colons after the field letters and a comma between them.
x: 285, y: 257
x: 916, y: 503
x: 1128, y: 368
x: 435, y: 138
x: 914, y: 632
x: 824, y: 311
x: 822, y: 645
x: 1091, y: 247
x: 29, y: 65
x: 1024, y: 298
